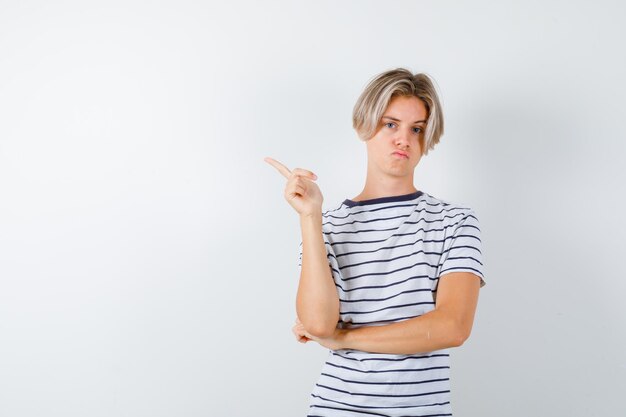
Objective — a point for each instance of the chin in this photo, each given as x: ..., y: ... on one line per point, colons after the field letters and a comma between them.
x: 399, y: 172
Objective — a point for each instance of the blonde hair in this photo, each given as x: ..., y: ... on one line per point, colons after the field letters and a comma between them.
x: 376, y: 96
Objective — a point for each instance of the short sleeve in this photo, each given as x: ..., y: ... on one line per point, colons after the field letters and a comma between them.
x: 463, y: 250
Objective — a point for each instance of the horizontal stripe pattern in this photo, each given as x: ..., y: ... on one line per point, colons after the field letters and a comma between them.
x: 386, y: 257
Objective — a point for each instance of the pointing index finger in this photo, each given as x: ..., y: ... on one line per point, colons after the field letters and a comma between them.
x: 280, y: 167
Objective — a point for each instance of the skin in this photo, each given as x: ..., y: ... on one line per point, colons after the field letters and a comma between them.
x: 449, y: 324
x: 388, y: 175
x: 317, y: 300
x: 300, y: 192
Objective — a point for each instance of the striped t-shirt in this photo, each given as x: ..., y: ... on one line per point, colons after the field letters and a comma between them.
x: 387, y: 255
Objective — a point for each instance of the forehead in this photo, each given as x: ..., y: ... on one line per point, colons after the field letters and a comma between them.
x: 407, y: 109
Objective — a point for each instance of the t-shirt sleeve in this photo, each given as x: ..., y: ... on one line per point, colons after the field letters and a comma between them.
x: 463, y: 250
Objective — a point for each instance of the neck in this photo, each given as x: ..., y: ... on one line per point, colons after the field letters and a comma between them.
x: 385, y: 187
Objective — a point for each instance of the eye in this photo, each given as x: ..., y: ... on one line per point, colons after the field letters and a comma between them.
x: 389, y: 123
x: 418, y: 130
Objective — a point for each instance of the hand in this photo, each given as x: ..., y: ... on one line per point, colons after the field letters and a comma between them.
x: 301, y: 192
x: 300, y: 332
x: 334, y: 342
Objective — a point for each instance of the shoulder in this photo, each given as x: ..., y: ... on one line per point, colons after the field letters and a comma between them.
x: 334, y: 215
x: 333, y: 209
x: 447, y: 209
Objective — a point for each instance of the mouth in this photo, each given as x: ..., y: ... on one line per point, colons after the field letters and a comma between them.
x: 400, y: 155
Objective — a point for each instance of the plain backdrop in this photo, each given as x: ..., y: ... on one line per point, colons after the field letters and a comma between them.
x: 148, y: 259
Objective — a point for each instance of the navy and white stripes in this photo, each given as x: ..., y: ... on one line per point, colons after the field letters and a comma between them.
x: 387, y: 256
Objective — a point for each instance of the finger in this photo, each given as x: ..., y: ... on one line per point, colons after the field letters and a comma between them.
x: 300, y: 190
x: 297, y: 180
x: 301, y: 332
x: 294, y: 190
x: 301, y: 338
x: 304, y: 172
x: 297, y: 335
x: 280, y: 167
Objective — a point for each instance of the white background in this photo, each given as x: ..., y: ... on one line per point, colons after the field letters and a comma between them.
x: 148, y: 259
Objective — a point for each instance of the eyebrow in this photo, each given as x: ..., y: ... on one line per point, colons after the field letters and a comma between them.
x: 398, y: 120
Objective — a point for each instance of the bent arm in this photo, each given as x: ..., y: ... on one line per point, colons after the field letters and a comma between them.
x: 448, y: 325
x: 317, y: 301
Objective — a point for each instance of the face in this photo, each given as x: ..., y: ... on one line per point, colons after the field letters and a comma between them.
x: 401, y: 130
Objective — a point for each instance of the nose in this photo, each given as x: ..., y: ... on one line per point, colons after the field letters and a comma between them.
x: 402, y: 138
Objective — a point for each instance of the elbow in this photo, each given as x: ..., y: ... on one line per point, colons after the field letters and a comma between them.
x: 318, y: 323
x: 323, y: 333
x: 321, y: 330
x: 454, y: 329
x: 460, y: 335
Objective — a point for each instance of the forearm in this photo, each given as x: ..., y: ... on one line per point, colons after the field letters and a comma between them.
x: 317, y: 301
x: 431, y: 331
